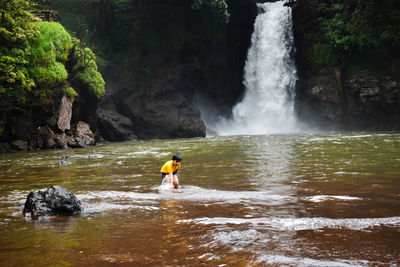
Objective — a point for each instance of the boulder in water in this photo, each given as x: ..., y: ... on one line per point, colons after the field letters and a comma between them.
x: 83, y: 136
x: 64, y: 163
x: 55, y: 200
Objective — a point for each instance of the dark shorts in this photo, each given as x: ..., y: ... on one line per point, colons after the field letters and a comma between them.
x: 163, y: 174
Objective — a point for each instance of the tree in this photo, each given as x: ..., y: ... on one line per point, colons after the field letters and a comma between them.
x: 217, y: 6
x: 17, y: 27
x: 85, y: 73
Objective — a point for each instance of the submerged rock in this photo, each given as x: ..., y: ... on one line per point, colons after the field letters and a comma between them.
x: 64, y: 163
x: 55, y: 200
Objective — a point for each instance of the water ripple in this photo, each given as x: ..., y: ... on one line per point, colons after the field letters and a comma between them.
x: 298, y: 224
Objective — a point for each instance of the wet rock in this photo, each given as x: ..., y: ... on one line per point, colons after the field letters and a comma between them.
x: 53, y: 201
x: 83, y: 136
x: 64, y: 163
x: 64, y: 114
x: 64, y: 141
x: 44, y: 138
x: 319, y: 99
x: 359, y: 101
x: 113, y: 125
x: 80, y: 136
x: 372, y: 103
x: 290, y: 3
x: 4, y: 147
x: 168, y: 115
x: 19, y: 145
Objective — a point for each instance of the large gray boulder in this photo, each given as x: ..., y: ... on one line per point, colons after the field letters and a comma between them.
x: 55, y: 200
x: 163, y: 115
x: 113, y: 125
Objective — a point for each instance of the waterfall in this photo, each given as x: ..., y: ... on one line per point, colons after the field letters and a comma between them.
x: 269, y: 78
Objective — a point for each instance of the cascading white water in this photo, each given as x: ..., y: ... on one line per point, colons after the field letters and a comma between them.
x: 269, y: 78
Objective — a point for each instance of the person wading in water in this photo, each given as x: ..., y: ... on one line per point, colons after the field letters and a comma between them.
x: 170, y: 169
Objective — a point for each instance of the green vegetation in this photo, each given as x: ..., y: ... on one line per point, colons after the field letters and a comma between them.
x: 39, y: 62
x: 136, y: 36
x: 17, y: 27
x: 85, y: 71
x: 35, y: 57
x: 48, y: 53
x: 217, y: 6
x: 70, y: 92
x: 352, y: 29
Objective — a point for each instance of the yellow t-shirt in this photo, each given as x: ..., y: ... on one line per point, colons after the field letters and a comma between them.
x: 169, y: 167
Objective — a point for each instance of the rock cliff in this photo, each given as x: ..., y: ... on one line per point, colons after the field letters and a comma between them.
x: 360, y: 91
x: 160, y: 101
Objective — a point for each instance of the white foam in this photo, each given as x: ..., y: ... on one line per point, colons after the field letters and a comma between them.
x: 96, y: 201
x: 209, y: 256
x: 300, y: 262
x: 191, y: 193
x: 297, y: 224
x: 91, y: 156
x: 356, y: 136
x: 104, y: 206
x: 320, y: 198
x: 351, y: 173
x: 236, y: 240
x: 198, y: 194
x: 148, y: 152
x: 117, y: 195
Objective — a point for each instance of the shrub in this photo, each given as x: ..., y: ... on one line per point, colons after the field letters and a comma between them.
x: 48, y: 53
x: 17, y: 27
x: 217, y: 6
x: 85, y: 71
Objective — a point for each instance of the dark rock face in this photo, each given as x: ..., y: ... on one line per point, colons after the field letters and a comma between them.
x: 113, y: 125
x: 358, y: 102
x: 168, y: 115
x: 162, y: 111
x: 372, y: 103
x: 215, y: 72
x: 44, y: 138
x: 52, y: 201
x: 49, y: 127
x: 363, y: 98
x: 166, y: 106
x: 19, y: 145
x: 319, y: 100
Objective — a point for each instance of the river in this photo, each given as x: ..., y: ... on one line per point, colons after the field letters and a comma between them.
x: 328, y: 199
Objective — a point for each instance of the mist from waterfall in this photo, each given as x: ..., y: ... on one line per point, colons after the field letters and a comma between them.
x: 267, y: 106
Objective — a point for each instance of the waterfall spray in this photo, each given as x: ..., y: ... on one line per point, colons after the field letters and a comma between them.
x: 269, y: 78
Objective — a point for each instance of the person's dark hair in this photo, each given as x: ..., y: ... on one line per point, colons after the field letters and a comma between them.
x: 177, y: 157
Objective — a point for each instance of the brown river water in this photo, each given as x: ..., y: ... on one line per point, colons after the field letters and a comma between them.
x: 329, y: 199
